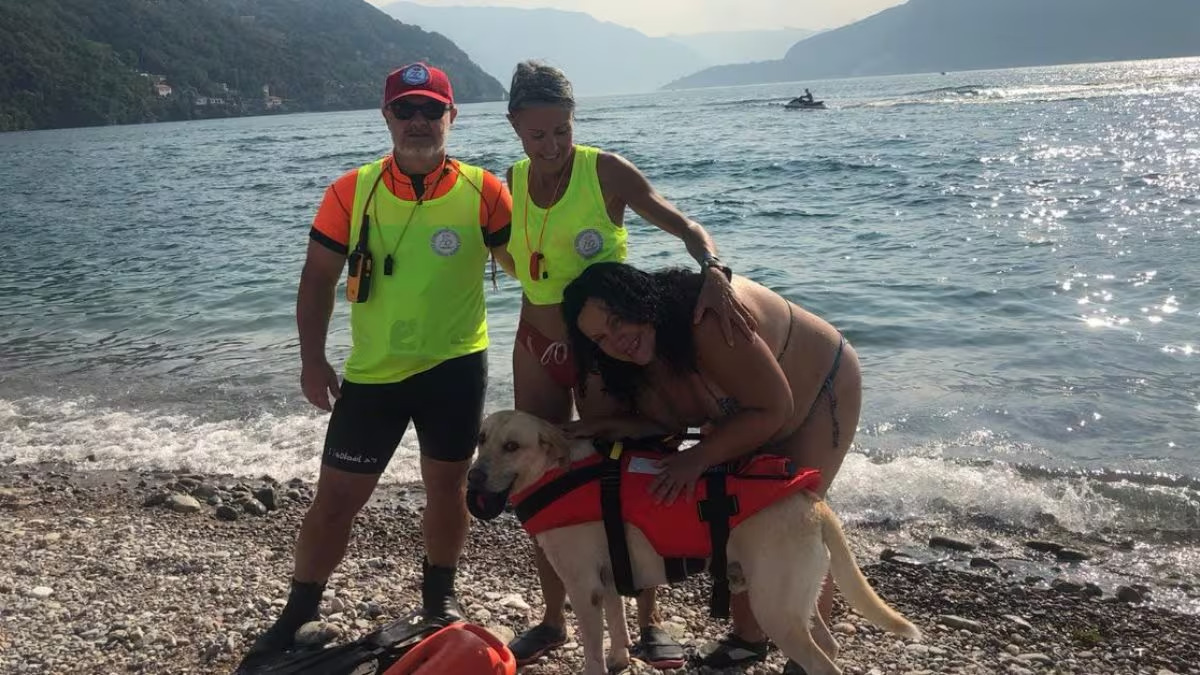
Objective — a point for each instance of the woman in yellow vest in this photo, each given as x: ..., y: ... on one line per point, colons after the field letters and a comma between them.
x: 569, y: 205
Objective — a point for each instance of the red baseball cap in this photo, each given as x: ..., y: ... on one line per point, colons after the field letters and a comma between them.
x: 418, y: 79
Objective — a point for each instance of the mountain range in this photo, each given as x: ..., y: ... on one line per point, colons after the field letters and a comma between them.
x: 84, y: 62
x: 742, y: 46
x: 944, y: 35
x: 599, y: 57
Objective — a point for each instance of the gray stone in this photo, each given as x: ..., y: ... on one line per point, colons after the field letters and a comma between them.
x: 204, y: 491
x: 503, y: 633
x: 227, y: 512
x: 515, y: 602
x: 316, y: 633
x: 1071, y: 555
x: 253, y: 507
x: 1130, y: 595
x: 916, y: 648
x: 1020, y: 622
x: 182, y: 503
x: 952, y: 544
x: 1067, y: 587
x: 960, y: 623
x: 1044, y: 546
x: 266, y: 496
x: 154, y: 499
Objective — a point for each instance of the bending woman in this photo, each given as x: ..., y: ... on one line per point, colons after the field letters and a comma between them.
x: 569, y: 204
x: 792, y: 389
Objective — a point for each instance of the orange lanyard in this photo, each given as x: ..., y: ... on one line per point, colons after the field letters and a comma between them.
x: 535, y: 255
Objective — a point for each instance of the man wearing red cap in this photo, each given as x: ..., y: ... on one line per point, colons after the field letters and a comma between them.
x: 414, y: 230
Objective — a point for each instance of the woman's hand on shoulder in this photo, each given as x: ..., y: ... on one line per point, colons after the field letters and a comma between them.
x: 717, y: 294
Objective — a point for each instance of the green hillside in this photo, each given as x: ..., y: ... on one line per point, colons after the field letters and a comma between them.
x: 67, y: 63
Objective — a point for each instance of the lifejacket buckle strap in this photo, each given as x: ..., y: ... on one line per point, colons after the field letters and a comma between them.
x: 716, y: 511
x: 614, y: 525
x: 724, y: 507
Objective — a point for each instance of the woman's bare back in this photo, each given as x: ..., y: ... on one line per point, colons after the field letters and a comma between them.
x: 804, y: 344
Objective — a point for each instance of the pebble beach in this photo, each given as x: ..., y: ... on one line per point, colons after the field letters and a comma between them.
x: 155, y: 572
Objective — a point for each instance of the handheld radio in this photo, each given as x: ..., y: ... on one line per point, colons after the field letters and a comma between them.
x: 361, y: 265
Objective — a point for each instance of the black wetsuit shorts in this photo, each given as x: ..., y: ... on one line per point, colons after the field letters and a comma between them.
x: 444, y: 403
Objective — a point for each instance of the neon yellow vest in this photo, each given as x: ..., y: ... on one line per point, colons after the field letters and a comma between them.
x: 577, y: 234
x: 431, y: 308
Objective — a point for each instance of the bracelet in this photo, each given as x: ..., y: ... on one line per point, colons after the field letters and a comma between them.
x: 712, y: 261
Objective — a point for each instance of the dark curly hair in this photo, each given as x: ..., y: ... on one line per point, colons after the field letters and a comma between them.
x: 665, y: 299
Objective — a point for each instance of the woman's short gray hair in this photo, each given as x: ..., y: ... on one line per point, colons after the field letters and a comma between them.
x: 535, y: 83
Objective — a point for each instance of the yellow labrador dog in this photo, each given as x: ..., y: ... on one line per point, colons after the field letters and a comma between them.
x: 779, y: 554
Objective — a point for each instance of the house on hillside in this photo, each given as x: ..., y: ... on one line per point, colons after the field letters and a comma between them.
x: 270, y: 102
x: 163, y: 89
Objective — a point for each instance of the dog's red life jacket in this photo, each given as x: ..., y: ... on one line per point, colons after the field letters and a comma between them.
x: 675, y: 531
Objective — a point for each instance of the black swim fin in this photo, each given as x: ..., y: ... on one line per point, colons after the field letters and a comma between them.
x: 374, y: 652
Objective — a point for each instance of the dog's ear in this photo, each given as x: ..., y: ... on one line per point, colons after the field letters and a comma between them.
x: 554, y: 442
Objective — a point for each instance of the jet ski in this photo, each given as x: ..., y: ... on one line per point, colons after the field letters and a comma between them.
x: 801, y: 103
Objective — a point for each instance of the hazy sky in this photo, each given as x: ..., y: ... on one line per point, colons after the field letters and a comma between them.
x: 660, y: 17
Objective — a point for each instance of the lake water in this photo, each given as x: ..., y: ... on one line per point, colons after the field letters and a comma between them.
x: 1007, y: 250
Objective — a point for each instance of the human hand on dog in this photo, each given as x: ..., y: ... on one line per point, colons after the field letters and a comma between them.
x: 595, y: 427
x: 610, y: 428
x: 679, y: 473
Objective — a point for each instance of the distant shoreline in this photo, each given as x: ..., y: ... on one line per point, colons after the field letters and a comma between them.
x: 243, y: 115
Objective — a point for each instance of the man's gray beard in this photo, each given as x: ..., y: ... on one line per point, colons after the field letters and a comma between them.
x: 420, y: 153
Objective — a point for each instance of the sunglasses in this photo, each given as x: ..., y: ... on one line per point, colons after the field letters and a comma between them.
x: 406, y: 110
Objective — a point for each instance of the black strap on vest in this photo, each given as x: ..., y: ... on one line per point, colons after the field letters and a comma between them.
x: 614, y: 526
x: 716, y: 511
x: 608, y: 472
x: 555, y: 490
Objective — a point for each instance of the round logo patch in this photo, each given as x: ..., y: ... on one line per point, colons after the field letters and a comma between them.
x: 445, y: 242
x: 588, y: 243
x: 415, y: 74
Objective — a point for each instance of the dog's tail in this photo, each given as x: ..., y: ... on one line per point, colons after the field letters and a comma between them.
x: 853, y: 584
